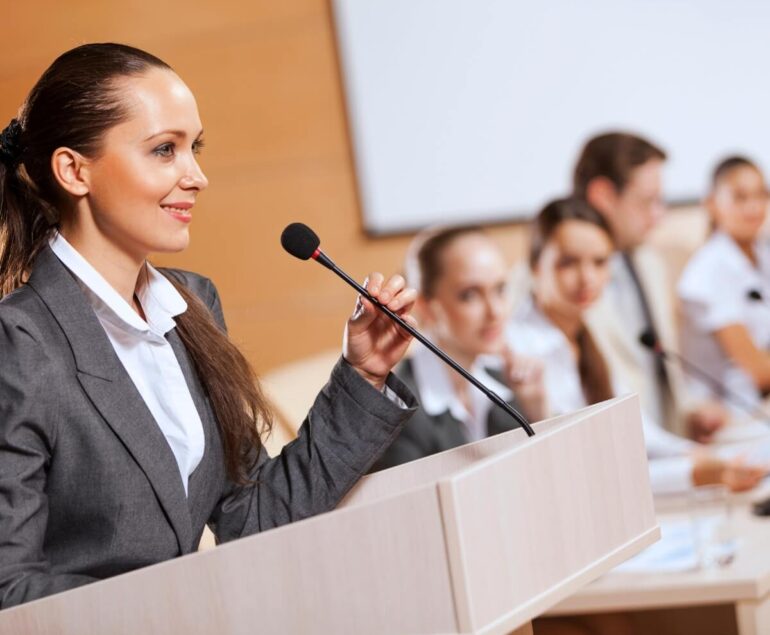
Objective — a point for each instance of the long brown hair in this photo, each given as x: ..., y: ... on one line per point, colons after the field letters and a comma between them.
x: 592, y: 367
x: 73, y: 104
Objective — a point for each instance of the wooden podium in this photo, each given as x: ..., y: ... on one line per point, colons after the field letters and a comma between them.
x: 479, y: 539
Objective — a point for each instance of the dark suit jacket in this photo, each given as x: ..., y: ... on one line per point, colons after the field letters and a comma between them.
x: 424, y: 434
x: 89, y: 487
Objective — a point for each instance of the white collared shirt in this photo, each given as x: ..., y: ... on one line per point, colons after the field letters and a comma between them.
x: 715, y: 290
x: 144, y: 351
x: 531, y: 333
x: 437, y: 395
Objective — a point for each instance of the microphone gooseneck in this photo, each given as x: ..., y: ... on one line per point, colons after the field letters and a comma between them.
x: 303, y: 243
x: 648, y: 339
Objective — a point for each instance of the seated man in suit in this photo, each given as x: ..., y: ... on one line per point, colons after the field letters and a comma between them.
x: 619, y: 175
x: 463, y: 304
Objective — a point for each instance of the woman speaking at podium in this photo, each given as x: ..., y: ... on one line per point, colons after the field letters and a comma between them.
x: 128, y: 420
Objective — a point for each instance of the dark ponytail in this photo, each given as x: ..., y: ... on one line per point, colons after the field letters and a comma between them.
x: 73, y: 104
x: 24, y: 216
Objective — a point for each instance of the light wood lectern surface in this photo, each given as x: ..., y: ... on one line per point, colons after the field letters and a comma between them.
x: 479, y: 539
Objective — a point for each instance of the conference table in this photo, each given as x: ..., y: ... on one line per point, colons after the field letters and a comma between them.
x: 734, y: 599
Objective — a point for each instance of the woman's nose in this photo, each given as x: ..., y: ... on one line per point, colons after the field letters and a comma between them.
x: 495, y: 307
x: 587, y: 275
x: 194, y: 179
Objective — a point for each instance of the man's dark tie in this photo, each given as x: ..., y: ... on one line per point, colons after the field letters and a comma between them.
x: 660, y: 365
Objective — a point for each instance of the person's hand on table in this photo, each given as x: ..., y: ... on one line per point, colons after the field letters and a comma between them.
x: 738, y: 475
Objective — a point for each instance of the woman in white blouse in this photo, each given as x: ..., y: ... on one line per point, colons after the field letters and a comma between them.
x: 725, y: 291
x: 569, y: 258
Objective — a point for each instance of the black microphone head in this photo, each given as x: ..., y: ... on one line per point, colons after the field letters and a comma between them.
x: 300, y: 241
x: 648, y: 340
x: 753, y: 294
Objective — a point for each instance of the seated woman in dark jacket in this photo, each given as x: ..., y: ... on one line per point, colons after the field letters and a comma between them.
x: 463, y: 306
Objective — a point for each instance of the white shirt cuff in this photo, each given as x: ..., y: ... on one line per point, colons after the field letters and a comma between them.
x: 670, y: 475
x: 391, y: 394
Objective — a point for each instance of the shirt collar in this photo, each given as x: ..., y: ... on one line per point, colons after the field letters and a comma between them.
x: 435, y: 387
x: 160, y: 301
x: 726, y: 243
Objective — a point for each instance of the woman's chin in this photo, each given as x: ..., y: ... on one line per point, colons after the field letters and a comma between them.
x: 173, y: 244
x: 494, y: 347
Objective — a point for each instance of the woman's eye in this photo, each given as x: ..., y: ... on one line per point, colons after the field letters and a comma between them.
x: 468, y: 295
x: 197, y: 146
x: 165, y: 150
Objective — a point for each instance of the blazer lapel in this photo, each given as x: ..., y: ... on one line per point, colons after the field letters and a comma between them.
x: 111, y: 390
x: 205, y: 473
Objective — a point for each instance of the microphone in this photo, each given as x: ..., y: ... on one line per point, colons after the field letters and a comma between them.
x: 649, y: 340
x: 303, y: 243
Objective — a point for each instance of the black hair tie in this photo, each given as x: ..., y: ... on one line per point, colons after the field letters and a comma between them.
x: 10, y: 144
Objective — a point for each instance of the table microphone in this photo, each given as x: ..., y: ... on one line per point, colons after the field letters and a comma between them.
x: 648, y: 339
x: 303, y: 243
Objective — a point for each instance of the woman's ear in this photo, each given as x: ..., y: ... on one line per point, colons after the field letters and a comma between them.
x: 70, y: 171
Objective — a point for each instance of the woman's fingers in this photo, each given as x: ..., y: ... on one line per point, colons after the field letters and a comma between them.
x: 403, y: 301
x: 391, y: 292
x: 740, y: 476
x: 373, y: 283
x: 391, y: 288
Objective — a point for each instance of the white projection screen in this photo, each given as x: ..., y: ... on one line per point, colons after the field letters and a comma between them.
x: 474, y: 110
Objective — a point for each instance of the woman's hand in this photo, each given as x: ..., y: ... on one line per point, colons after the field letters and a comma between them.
x: 706, y: 420
x: 373, y: 344
x: 524, y: 376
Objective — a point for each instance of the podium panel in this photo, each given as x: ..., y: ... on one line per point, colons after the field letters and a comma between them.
x: 479, y: 539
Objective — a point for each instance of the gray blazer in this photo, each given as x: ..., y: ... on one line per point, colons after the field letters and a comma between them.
x: 89, y: 487
x: 424, y: 434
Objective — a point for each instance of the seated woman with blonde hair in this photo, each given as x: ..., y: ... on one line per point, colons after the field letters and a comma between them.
x: 463, y: 305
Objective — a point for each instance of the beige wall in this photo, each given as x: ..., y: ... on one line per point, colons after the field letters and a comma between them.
x: 269, y: 90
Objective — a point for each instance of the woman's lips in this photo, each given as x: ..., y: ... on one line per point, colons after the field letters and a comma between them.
x: 491, y: 332
x: 180, y: 211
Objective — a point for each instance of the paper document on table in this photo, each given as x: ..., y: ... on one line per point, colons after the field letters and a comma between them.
x: 675, y: 551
